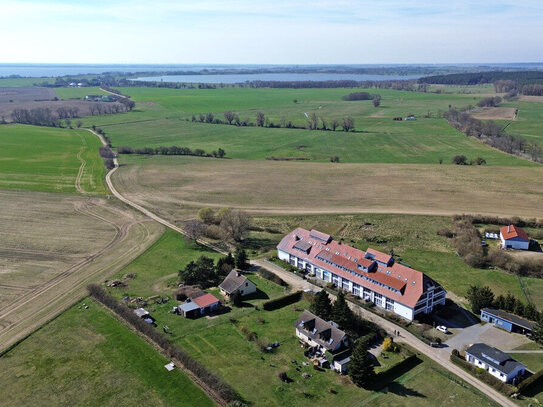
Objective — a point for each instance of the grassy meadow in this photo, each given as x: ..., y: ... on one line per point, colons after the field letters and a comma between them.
x: 86, y: 357
x: 46, y: 159
x: 163, y: 117
x: 219, y: 343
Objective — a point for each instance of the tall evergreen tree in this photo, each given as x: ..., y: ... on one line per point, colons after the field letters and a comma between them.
x: 530, y: 312
x: 322, y: 306
x: 341, y: 313
x: 361, y: 368
x: 510, y: 302
x: 241, y: 258
x: 537, y: 332
x: 499, y: 302
x: 519, y: 309
x: 480, y: 297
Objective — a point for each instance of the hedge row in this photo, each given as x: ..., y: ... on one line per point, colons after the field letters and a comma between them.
x: 532, y: 381
x: 223, y: 389
x: 482, y: 374
x: 282, y: 301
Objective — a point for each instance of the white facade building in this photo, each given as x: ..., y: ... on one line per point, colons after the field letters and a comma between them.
x: 497, y: 363
x: 370, y: 275
x: 513, y: 237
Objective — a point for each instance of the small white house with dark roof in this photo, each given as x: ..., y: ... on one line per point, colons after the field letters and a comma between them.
x: 316, y: 332
x: 236, y: 282
x: 497, y: 363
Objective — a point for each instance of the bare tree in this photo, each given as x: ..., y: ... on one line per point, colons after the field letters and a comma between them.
x: 348, y: 123
x: 229, y: 116
x: 324, y: 124
x: 235, y: 224
x: 260, y: 119
x: 313, y: 121
x: 194, y: 229
x: 334, y: 124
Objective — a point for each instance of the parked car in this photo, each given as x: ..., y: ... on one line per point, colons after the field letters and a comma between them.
x: 483, y: 243
x: 442, y: 328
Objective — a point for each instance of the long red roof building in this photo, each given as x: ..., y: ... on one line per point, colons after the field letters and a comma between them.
x: 371, y: 275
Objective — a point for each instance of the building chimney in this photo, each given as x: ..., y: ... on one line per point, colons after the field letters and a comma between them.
x: 509, y: 229
x: 239, y: 274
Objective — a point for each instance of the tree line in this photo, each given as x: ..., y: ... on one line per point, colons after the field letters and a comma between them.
x: 493, y: 134
x: 172, y: 150
x: 314, y: 122
x: 210, y: 379
x: 477, y: 78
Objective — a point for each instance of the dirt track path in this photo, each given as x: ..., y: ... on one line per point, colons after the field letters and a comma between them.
x: 81, y: 168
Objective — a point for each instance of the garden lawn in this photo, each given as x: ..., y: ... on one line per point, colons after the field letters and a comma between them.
x: 46, y: 159
x: 87, y: 357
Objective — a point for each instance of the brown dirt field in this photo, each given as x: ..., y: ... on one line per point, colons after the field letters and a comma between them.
x: 26, y: 94
x: 54, y: 245
x: 175, y: 187
x: 496, y: 113
x: 526, y: 98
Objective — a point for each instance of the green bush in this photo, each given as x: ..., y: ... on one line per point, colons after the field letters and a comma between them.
x: 531, y: 382
x: 282, y: 301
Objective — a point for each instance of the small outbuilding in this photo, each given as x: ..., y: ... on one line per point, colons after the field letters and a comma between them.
x: 513, y: 237
x: 507, y: 321
x: 141, y: 312
x: 236, y: 283
x: 494, y: 361
x: 197, y: 306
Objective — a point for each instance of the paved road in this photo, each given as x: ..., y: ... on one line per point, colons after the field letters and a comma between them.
x: 440, y: 356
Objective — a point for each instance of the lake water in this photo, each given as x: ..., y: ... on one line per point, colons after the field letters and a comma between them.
x: 288, y: 77
x: 52, y: 70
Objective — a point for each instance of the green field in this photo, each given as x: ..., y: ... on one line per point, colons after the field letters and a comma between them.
x: 160, y: 264
x: 9, y: 82
x: 46, y: 159
x: 528, y: 123
x: 86, y: 357
x: 163, y: 117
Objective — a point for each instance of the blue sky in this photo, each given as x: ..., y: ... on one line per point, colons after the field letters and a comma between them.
x: 271, y: 32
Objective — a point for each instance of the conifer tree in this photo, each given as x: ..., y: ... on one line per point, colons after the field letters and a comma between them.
x: 361, y: 368
x: 341, y: 313
x: 322, y: 306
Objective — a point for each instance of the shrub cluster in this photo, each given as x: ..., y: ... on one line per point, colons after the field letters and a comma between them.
x: 223, y: 389
x: 358, y: 96
x: 282, y: 301
x: 268, y: 275
x: 531, y: 382
x: 173, y: 150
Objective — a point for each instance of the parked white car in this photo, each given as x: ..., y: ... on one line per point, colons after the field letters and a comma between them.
x: 442, y: 328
